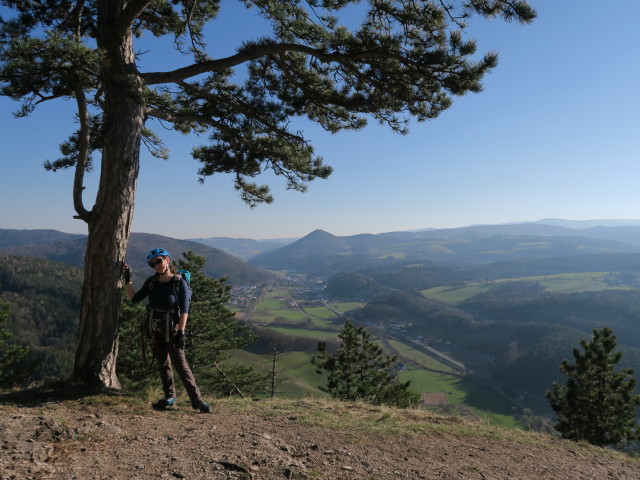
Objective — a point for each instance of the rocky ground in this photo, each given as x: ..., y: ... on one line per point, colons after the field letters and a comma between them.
x: 119, y: 438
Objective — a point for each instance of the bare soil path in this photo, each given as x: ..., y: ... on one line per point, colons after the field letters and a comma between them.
x: 111, y: 438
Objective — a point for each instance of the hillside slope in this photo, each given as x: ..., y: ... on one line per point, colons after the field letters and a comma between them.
x: 69, y: 249
x: 117, y: 438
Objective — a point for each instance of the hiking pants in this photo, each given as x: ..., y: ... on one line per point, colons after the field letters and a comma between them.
x: 167, y: 355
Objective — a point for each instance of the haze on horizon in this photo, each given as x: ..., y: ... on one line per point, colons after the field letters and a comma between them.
x: 553, y: 135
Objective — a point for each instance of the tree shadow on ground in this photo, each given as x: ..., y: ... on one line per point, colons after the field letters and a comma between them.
x: 51, y: 393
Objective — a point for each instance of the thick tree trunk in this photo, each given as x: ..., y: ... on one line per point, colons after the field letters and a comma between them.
x: 110, y: 219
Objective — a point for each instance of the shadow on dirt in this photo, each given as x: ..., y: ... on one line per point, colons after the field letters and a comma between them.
x: 54, y: 392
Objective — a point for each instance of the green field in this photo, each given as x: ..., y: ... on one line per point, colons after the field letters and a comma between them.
x: 404, y: 351
x: 459, y: 391
x: 267, y: 305
x: 303, y: 332
x: 485, y: 403
x: 276, y: 307
x: 277, y: 292
x: 327, y: 324
x: 561, y: 283
x: 290, y: 314
x: 298, y: 375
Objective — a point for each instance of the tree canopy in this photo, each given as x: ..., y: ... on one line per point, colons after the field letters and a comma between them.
x: 401, y: 60
x: 359, y: 370
x: 598, y: 403
x: 405, y: 59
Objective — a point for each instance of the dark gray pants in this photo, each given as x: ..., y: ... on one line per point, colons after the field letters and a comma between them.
x: 167, y: 355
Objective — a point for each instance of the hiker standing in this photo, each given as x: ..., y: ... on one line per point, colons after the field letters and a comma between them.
x: 167, y: 314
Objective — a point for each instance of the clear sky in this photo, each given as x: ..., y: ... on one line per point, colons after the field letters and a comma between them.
x: 555, y: 133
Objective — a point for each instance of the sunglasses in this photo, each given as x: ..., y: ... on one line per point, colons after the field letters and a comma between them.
x: 157, y: 262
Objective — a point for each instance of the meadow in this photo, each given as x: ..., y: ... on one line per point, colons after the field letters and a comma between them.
x: 560, y: 283
x: 485, y: 403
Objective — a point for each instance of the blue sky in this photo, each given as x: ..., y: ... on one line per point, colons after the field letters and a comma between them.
x: 555, y: 133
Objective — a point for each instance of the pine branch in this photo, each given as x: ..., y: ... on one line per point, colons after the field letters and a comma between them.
x: 84, y: 139
x: 254, y: 52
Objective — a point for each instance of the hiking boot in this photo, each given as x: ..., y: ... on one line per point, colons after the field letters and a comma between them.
x: 164, y: 403
x: 204, y: 407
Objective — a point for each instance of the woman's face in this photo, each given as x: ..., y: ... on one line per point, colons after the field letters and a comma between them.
x: 159, y: 264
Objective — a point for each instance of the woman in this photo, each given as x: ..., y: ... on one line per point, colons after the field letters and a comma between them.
x: 168, y: 311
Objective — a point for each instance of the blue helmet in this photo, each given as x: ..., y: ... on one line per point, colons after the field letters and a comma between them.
x: 157, y: 252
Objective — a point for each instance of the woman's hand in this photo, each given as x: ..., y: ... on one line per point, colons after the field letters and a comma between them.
x: 127, y: 274
x: 178, y: 340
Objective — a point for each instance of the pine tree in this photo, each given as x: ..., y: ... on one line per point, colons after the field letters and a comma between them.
x: 401, y: 60
x: 360, y: 371
x: 598, y: 403
x: 276, y: 375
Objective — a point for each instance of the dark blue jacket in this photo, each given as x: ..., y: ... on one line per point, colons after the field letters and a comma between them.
x: 162, y: 295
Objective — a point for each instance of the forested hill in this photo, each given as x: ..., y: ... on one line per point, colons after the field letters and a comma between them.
x: 524, y: 335
x: 218, y: 263
x: 407, y: 275
x: 67, y: 248
x: 44, y: 299
x: 11, y: 237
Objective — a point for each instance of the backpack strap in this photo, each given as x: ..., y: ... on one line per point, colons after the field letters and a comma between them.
x: 176, y: 283
x: 153, y: 280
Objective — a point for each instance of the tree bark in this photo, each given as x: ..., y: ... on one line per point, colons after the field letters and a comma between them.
x: 109, y: 222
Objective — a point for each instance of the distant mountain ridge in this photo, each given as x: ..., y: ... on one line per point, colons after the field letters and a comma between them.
x: 34, y: 237
x: 605, y: 222
x: 70, y: 248
x: 243, y: 248
x: 322, y: 253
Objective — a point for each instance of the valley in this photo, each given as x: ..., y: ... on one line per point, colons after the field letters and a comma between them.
x: 480, y: 324
x: 297, y: 307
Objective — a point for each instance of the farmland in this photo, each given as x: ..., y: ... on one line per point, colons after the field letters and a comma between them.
x: 562, y: 283
x: 294, y: 311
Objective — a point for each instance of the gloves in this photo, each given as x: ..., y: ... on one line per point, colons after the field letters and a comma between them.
x: 127, y: 274
x: 178, y: 340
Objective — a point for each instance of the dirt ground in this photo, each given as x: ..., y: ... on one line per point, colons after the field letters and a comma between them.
x: 96, y: 440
